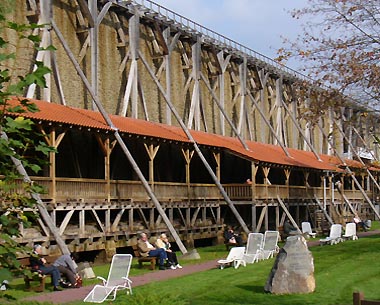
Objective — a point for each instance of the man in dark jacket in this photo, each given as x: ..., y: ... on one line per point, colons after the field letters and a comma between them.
x: 147, y: 249
x: 38, y: 263
x: 231, y: 237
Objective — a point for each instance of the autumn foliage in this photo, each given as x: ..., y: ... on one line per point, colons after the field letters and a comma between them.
x: 339, y: 48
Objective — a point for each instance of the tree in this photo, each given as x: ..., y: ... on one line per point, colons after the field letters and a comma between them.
x: 19, y: 141
x: 339, y: 47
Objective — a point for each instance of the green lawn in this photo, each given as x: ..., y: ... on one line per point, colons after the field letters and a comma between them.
x: 339, y: 271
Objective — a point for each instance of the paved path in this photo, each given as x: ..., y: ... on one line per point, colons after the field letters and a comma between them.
x: 71, y: 295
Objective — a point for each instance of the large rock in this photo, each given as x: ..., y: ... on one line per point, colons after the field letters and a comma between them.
x: 293, y: 270
x: 85, y: 271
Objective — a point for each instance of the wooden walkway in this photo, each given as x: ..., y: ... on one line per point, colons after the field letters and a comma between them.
x: 72, y: 295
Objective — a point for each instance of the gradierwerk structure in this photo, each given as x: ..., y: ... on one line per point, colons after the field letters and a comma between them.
x: 159, y: 123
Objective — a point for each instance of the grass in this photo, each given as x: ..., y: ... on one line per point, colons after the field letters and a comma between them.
x: 339, y: 271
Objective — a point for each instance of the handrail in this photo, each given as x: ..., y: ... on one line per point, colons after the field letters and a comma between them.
x: 233, y: 45
x: 206, y: 32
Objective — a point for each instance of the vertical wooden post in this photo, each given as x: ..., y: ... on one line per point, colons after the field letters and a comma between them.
x: 107, y: 168
x: 93, y: 8
x: 171, y: 215
x: 217, y: 160
x: 130, y: 219
x: 357, y: 298
x: 151, y: 219
x: 52, y: 174
x: 188, y: 217
x: 108, y: 220
x: 254, y: 217
x: 166, y: 35
x: 106, y: 148
x: 287, y: 176
x: 254, y: 169
x: 277, y: 216
x: 82, y: 229
x: 188, y: 156
x: 152, y: 151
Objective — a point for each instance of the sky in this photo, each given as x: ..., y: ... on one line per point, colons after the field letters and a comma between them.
x: 257, y: 24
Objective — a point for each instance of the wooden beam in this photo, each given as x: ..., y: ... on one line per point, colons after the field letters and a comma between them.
x: 103, y: 13
x: 288, y: 214
x: 261, y: 218
x: 65, y: 221
x: 117, y: 220
x: 119, y: 29
x: 195, y: 215
x: 160, y: 38
x: 141, y: 212
x: 182, y: 217
x: 86, y: 11
x: 101, y: 226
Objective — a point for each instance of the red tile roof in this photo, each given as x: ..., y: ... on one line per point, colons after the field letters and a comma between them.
x: 259, y: 152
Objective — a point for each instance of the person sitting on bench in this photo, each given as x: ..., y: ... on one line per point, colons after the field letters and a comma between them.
x: 38, y: 264
x: 231, y: 237
x: 289, y: 229
x: 68, y: 268
x: 360, y: 223
x: 163, y: 242
x: 147, y: 249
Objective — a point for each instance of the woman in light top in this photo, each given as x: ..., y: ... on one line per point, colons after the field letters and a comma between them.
x: 163, y: 242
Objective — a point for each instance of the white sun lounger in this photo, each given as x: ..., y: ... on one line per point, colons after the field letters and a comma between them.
x: 117, y: 280
x: 335, y: 236
x: 235, y: 257
x: 350, y: 232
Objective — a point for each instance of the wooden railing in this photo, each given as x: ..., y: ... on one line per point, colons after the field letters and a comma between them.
x: 97, y: 189
x: 358, y: 299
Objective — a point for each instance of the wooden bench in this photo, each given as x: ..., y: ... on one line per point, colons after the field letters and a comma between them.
x: 35, y: 281
x: 228, y: 245
x: 283, y: 235
x: 144, y: 259
x: 358, y: 299
x: 38, y: 278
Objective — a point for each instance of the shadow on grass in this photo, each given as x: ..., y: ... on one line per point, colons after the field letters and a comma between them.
x: 252, y: 288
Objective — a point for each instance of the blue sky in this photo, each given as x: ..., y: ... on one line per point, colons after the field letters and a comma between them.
x: 257, y: 24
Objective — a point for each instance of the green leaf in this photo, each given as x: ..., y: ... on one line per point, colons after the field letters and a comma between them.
x: 35, y: 168
x: 5, y: 274
x: 7, y: 56
x: 3, y: 43
x: 18, y: 123
x: 44, y: 148
x: 34, y: 38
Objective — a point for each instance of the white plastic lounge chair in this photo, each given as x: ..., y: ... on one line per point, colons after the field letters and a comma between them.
x: 117, y: 280
x: 306, y: 229
x: 335, y: 236
x: 270, y: 246
x: 235, y: 257
x: 350, y: 232
x: 254, y: 249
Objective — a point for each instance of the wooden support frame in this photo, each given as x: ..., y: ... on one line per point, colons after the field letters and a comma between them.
x: 259, y: 85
